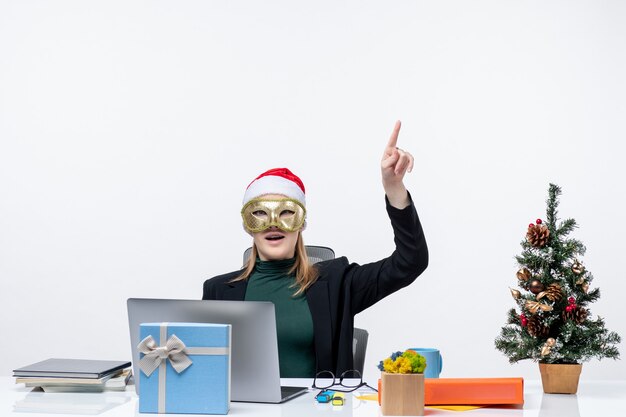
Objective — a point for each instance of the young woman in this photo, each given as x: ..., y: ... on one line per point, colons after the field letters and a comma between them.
x: 316, y: 304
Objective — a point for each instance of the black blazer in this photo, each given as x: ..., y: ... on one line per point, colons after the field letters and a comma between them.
x: 344, y: 289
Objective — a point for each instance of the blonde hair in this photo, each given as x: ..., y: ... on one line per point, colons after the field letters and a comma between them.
x: 306, y: 273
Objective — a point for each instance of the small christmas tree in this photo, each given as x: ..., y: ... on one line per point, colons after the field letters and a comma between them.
x: 553, y: 323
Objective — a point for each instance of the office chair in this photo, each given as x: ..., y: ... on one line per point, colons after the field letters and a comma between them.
x: 359, y: 343
x: 359, y: 347
x: 316, y: 254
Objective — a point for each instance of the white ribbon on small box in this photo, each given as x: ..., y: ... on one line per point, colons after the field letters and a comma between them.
x: 156, y: 356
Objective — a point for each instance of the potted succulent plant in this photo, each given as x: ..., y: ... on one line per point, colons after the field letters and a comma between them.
x: 552, y: 323
x: 402, y: 384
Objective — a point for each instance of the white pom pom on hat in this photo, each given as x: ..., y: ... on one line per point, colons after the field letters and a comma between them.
x: 276, y: 181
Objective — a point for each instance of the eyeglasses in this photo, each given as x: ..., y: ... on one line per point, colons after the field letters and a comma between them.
x: 350, y: 380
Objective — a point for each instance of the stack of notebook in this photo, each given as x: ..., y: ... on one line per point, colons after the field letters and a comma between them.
x: 75, y: 375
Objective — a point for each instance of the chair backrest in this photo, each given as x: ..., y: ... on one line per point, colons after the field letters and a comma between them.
x: 316, y: 253
x: 359, y: 347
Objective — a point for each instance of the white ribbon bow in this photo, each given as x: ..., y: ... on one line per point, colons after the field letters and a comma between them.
x: 174, y: 350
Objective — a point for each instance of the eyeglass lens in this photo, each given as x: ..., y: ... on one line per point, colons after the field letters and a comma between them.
x: 324, y: 379
x: 351, y: 379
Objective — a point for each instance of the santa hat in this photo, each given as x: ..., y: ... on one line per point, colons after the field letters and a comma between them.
x: 276, y: 181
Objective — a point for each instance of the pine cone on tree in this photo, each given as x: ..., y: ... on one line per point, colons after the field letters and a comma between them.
x: 554, y: 292
x: 536, y: 328
x: 579, y: 315
x: 537, y: 235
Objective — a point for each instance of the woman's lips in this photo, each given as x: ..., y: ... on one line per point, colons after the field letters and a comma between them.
x: 273, y: 237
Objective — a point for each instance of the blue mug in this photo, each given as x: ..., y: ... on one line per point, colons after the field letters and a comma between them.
x: 434, y: 361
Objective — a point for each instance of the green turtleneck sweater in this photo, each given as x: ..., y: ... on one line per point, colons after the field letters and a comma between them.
x: 271, y: 281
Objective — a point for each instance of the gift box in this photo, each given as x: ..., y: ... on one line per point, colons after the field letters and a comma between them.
x: 184, y: 368
x: 471, y: 391
x: 475, y: 391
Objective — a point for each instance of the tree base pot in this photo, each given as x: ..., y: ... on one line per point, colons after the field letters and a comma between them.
x: 560, y: 378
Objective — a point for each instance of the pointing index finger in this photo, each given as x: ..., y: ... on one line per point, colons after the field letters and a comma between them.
x: 393, y: 139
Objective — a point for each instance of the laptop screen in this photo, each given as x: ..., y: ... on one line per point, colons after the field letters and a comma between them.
x: 255, y: 375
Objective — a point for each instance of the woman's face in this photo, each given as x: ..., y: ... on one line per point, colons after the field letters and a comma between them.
x: 274, y: 244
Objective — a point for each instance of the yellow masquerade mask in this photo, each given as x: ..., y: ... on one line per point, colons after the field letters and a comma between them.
x: 260, y: 214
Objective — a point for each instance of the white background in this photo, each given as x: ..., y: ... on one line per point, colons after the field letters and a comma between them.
x: 130, y: 129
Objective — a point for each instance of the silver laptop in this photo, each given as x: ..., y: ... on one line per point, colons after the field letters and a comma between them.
x: 255, y: 374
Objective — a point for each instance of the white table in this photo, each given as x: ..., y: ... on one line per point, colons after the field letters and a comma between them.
x: 594, y: 398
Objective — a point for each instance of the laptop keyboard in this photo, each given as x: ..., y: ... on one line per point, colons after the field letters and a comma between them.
x: 286, y: 391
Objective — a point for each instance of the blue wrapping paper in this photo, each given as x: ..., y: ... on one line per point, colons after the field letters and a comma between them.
x: 204, y: 386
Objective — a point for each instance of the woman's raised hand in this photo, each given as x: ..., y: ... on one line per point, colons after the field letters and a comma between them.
x: 395, y: 164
